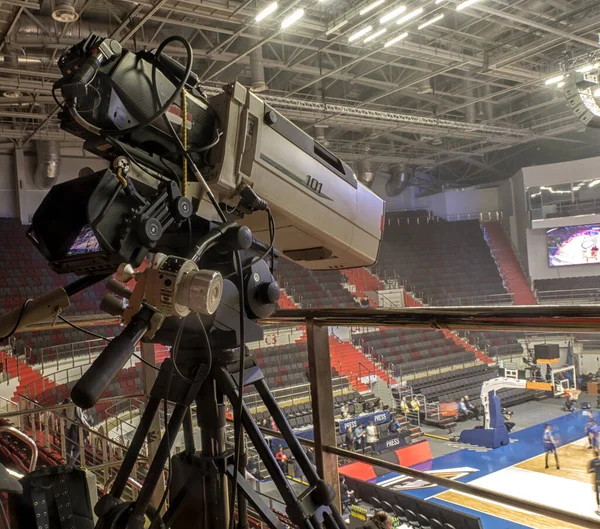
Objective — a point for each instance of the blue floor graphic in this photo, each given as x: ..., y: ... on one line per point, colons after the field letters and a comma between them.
x: 525, y: 444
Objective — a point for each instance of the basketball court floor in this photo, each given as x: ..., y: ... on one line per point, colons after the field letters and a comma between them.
x: 518, y: 470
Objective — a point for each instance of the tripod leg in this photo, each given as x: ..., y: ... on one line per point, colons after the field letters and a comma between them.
x: 157, y: 467
x: 211, y: 419
x: 287, y: 432
x: 295, y: 508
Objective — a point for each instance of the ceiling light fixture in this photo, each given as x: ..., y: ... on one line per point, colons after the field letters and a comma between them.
x: 360, y: 33
x: 554, y: 80
x: 336, y: 27
x: 375, y: 35
x: 431, y: 21
x: 271, y: 8
x: 409, y: 16
x: 293, y: 18
x: 438, y: 2
x: 597, y: 93
x: 588, y: 68
x: 392, y: 14
x: 393, y: 41
x: 560, y: 85
x: 594, y: 183
x: 468, y: 3
x: 370, y: 7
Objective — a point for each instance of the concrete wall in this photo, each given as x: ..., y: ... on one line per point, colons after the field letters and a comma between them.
x: 449, y: 203
x: 531, y: 243
x: 72, y: 160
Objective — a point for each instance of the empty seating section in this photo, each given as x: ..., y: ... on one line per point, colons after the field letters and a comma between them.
x: 39, y: 340
x: 454, y: 385
x: 497, y: 343
x: 581, y: 289
x: 284, y: 365
x: 314, y: 289
x: 416, y: 349
x: 440, y: 261
x: 26, y: 275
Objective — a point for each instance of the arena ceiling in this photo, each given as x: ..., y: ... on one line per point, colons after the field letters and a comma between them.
x: 462, y: 101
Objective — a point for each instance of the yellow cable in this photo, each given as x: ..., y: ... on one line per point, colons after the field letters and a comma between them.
x: 121, y: 178
x: 184, y: 124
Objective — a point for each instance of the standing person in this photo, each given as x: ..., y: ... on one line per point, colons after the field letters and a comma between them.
x: 550, y: 444
x: 594, y: 468
x: 371, y: 433
x: 414, y: 404
x: 350, y: 438
x: 471, y: 407
x: 404, y: 408
x: 75, y: 419
x: 359, y: 437
x: 591, y: 432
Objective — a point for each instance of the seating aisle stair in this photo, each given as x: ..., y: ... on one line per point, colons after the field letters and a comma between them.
x: 25, y: 374
x: 482, y: 357
x: 508, y: 264
x: 351, y: 363
x: 364, y: 281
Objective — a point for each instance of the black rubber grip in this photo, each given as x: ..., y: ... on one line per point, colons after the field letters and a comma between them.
x: 106, y: 367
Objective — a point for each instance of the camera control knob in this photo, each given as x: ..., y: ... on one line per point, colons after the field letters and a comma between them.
x: 268, y: 293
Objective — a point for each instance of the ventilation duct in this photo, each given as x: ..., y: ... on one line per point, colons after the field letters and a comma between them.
x: 81, y: 30
x: 257, y: 69
x: 471, y: 109
x: 399, y: 180
x: 64, y: 11
x: 11, y: 61
x: 48, y: 166
x: 365, y: 173
x: 320, y: 135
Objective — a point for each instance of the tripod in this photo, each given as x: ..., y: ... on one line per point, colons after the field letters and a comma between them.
x: 201, y: 482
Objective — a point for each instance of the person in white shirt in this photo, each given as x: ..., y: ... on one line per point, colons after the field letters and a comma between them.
x: 344, y: 411
x: 371, y: 433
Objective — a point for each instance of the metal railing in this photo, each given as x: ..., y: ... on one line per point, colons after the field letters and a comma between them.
x: 470, y: 301
x: 563, y: 319
x: 569, y: 297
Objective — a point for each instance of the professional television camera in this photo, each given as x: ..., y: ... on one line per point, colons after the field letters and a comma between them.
x: 209, y: 278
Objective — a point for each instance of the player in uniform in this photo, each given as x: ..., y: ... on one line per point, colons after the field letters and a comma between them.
x: 594, y: 469
x: 592, y: 432
x: 550, y: 444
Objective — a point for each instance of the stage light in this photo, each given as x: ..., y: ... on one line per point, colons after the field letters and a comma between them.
x: 393, y: 41
x: 271, y: 8
x: 409, y: 16
x: 293, y: 18
x: 370, y: 7
x: 360, y: 33
x: 554, y: 80
x: 431, y: 21
x: 392, y: 14
x: 468, y: 3
x: 336, y: 27
x: 375, y: 35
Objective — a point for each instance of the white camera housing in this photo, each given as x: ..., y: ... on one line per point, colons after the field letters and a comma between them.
x: 325, y: 219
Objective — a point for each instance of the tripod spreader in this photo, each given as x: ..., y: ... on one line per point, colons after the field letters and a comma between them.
x: 201, y: 481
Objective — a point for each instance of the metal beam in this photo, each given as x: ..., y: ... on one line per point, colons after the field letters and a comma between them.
x: 321, y: 391
x: 143, y: 20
